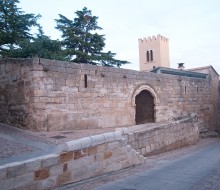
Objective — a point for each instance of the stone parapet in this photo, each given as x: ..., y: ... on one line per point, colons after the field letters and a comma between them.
x: 99, y: 154
x: 162, y: 137
x: 78, y: 160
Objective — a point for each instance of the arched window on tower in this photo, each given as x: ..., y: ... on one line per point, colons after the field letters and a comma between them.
x: 149, y: 56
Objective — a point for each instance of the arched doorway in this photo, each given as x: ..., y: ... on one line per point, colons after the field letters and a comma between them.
x: 144, y: 107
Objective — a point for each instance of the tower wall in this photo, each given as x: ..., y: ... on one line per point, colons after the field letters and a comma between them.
x: 160, y: 48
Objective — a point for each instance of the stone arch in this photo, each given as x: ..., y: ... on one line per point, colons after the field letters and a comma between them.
x: 144, y: 100
x: 147, y: 88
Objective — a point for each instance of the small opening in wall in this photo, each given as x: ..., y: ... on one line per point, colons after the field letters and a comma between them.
x: 185, y: 89
x: 148, y: 56
x: 151, y: 55
x: 197, y: 89
x: 85, y: 81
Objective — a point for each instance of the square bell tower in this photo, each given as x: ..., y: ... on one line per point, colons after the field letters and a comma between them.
x: 153, y: 52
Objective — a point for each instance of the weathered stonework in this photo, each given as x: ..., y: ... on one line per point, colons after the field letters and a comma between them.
x: 41, y: 94
x: 218, y: 110
x: 96, y: 155
x: 159, y: 138
x: 76, y: 162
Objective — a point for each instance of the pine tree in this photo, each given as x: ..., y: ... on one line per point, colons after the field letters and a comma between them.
x: 40, y: 46
x: 82, y: 43
x: 15, y: 26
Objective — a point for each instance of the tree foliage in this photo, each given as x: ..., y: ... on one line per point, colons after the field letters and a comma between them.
x: 14, y: 25
x: 41, y: 46
x: 82, y: 43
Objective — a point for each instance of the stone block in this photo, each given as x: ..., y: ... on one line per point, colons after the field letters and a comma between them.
x: 92, y: 150
x: 102, y: 147
x: 37, y: 185
x: 109, y: 136
x: 126, y: 164
x: 41, y: 174
x: 107, y: 155
x: 148, y: 149
x: 23, y: 180
x: 143, y: 151
x: 66, y: 156
x: 33, y: 164
x: 74, y: 145
x: 49, y: 183
x: 49, y: 160
x: 64, y: 178
x: 98, y: 157
x: 118, y: 135
x: 56, y: 170
x: 98, y: 139
x: 80, y: 172
x: 86, y: 142
x: 131, y: 137
x: 74, y: 164
x: 6, y: 184
x: 3, y: 172
x: 128, y: 148
x: 78, y: 154
x: 123, y: 142
x: 15, y: 169
x: 113, y: 145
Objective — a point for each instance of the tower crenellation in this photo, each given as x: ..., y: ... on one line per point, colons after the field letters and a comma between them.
x: 153, y: 52
x: 158, y: 38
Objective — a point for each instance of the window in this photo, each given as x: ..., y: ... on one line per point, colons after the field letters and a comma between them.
x: 149, y: 56
x: 85, y: 81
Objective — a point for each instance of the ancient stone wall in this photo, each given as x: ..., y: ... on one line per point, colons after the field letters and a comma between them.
x: 218, y: 109
x: 163, y: 137
x: 96, y: 155
x: 15, y: 91
x: 61, y: 95
x: 82, y: 159
x: 214, y: 84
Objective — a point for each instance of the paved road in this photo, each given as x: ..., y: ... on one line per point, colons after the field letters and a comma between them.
x: 187, y: 172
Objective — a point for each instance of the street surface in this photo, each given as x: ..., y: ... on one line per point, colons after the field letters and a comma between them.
x: 191, y: 168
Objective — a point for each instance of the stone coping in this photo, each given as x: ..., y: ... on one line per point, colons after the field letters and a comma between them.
x: 92, y: 141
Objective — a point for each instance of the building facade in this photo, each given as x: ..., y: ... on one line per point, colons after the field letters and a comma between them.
x: 47, y: 95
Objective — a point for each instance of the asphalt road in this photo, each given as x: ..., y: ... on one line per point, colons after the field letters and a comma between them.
x: 197, y: 169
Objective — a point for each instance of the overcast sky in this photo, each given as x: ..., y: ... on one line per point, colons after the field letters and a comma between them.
x: 192, y: 26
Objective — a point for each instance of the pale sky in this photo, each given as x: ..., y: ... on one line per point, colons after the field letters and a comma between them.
x: 192, y: 26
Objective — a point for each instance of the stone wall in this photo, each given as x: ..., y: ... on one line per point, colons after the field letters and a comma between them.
x: 54, y: 95
x: 214, y: 84
x: 15, y: 91
x: 96, y: 155
x: 159, y: 138
x: 218, y: 111
x: 81, y: 159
